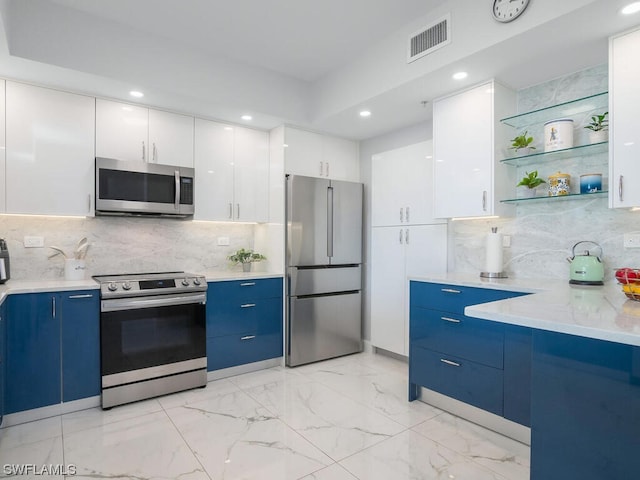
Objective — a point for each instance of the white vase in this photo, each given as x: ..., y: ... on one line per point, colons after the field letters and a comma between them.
x: 246, y: 267
x: 599, y: 136
x: 528, y: 192
x: 74, y: 269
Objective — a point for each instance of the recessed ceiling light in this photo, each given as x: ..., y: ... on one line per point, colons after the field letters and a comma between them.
x: 631, y: 8
x: 365, y: 113
x: 460, y: 75
x: 127, y: 109
x: 284, y: 145
x: 228, y: 129
x: 428, y: 157
x: 246, y: 117
x: 136, y: 93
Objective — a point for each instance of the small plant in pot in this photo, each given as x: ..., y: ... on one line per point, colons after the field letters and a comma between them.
x: 522, y: 144
x: 246, y: 258
x: 530, y: 181
x: 599, y: 127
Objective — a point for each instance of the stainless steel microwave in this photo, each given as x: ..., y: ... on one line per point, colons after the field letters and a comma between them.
x: 138, y: 188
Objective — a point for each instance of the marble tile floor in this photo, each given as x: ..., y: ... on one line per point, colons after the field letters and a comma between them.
x: 342, y: 419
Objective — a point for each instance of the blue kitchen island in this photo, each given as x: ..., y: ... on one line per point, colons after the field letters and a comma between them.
x: 577, y: 361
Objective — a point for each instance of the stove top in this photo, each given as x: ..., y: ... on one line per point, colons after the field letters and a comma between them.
x: 144, y: 284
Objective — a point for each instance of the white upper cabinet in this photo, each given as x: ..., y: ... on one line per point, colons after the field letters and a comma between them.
x: 232, y: 173
x: 134, y: 133
x: 624, y: 135
x: 401, y: 187
x: 3, y: 205
x: 49, y: 151
x: 315, y: 155
x: 171, y: 138
x: 468, y: 180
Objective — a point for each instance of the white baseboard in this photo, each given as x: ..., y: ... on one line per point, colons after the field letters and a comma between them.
x: 50, y: 411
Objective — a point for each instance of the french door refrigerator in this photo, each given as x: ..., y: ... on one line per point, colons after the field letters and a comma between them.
x: 324, y: 257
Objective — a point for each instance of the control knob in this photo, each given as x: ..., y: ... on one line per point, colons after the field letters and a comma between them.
x: 196, y: 282
x: 185, y: 282
x: 113, y: 286
x: 126, y: 286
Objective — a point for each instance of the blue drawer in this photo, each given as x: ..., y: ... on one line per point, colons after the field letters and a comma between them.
x: 465, y: 337
x: 455, y: 377
x: 453, y: 298
x: 227, y: 318
x: 234, y: 350
x: 244, y: 291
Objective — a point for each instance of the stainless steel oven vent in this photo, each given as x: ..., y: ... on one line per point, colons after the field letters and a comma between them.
x: 429, y: 39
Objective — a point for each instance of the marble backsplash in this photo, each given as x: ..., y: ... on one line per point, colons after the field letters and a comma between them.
x: 122, y: 244
x: 543, y: 232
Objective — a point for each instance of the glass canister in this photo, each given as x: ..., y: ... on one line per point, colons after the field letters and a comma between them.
x: 559, y: 184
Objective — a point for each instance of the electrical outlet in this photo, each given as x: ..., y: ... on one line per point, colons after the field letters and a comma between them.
x: 632, y: 240
x: 33, y: 242
x: 223, y: 241
x: 506, y: 241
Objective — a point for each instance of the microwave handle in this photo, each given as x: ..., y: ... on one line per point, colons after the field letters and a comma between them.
x: 177, y: 199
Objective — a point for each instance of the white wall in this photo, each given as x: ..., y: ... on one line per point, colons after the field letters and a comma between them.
x: 399, y: 138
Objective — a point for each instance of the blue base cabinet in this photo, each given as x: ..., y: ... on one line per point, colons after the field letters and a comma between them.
x: 3, y: 310
x: 585, y: 408
x: 478, y: 362
x: 244, y: 322
x: 52, y: 348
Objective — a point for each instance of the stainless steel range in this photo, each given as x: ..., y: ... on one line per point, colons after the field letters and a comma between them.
x: 152, y: 335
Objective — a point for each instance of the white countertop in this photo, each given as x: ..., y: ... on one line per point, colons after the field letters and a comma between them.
x: 38, y: 286
x: 603, y: 313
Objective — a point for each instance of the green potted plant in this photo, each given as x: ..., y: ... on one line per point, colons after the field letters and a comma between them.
x: 599, y: 127
x: 530, y: 181
x: 522, y: 144
x: 246, y: 258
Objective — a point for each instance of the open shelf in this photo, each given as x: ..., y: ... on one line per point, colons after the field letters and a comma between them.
x: 592, y: 103
x: 558, y: 198
x: 537, y: 157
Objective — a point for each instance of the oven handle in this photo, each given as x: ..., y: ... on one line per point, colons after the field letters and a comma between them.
x: 119, y: 304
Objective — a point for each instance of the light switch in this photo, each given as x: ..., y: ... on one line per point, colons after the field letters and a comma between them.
x: 33, y: 242
x: 223, y: 241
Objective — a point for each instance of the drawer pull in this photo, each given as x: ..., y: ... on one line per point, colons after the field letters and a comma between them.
x: 86, y: 295
x: 247, y: 305
x: 450, y: 290
x: 451, y: 320
x: 248, y: 337
x: 449, y: 362
x: 248, y: 284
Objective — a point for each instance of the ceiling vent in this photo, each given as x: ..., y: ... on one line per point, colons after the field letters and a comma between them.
x: 430, y: 38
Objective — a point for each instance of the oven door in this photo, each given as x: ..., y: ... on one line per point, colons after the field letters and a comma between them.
x: 151, y: 336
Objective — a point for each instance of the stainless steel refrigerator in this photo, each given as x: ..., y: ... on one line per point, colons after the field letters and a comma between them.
x: 324, y: 256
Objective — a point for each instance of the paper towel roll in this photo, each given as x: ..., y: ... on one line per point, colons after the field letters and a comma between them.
x: 494, y: 253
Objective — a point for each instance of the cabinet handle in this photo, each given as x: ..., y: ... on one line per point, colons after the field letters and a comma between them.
x: 321, y: 170
x: 406, y: 236
x: 407, y: 213
x: 247, y: 305
x: 53, y: 307
x: 620, y: 188
x: 231, y: 211
x: 452, y: 320
x: 247, y: 337
x: 401, y: 215
x: 86, y: 295
x: 484, y: 200
x: 144, y: 154
x: 327, y: 169
x: 400, y: 237
x: 449, y: 290
x: 248, y: 284
x: 449, y: 362
x: 155, y: 153
x: 238, y: 211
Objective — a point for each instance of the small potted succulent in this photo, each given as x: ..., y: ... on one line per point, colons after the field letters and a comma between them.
x: 522, y: 144
x: 530, y: 181
x: 599, y: 127
x: 246, y: 258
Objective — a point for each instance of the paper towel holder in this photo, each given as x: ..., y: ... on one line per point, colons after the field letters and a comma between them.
x: 494, y: 274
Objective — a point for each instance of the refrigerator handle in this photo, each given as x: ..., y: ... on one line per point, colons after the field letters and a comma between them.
x: 329, y: 222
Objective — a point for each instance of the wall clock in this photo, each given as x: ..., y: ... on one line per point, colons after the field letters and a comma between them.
x: 508, y: 10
